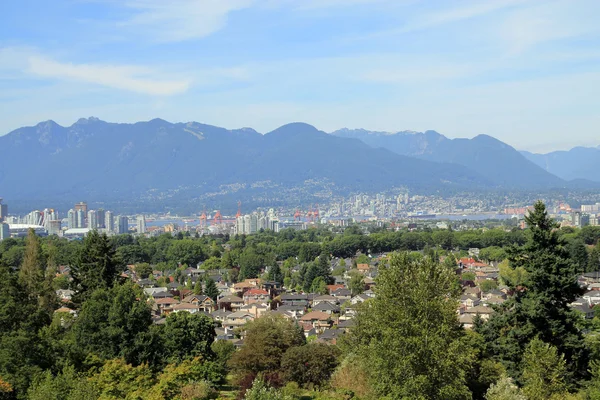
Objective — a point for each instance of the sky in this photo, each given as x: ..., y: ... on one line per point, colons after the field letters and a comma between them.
x: 524, y: 71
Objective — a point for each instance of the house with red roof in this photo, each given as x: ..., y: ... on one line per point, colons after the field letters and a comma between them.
x: 256, y: 296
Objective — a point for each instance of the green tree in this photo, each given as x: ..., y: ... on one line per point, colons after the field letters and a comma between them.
x: 413, y: 316
x: 318, y: 285
x: 504, y: 389
x: 357, y: 283
x: 210, y: 289
x: 275, y: 273
x: 579, y: 254
x: 110, y: 325
x: 544, y: 372
x: 95, y: 268
x: 31, y: 273
x: 539, y: 308
x: 188, y: 335
x: 143, y: 270
x: 267, y: 339
x: 488, y: 285
x: 309, y: 365
x: 594, y: 259
x: 198, y: 287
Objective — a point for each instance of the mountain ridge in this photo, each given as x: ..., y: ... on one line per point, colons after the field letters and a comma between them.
x: 492, y: 158
x: 98, y: 158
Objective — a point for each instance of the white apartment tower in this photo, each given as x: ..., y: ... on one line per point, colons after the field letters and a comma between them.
x: 141, y: 224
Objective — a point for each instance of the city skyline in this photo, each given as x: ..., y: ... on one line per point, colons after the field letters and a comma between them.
x: 528, y: 76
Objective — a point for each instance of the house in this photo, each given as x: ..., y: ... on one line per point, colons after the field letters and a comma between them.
x: 189, y: 307
x: 369, y: 282
x: 294, y: 299
x: 284, y: 314
x: 363, y: 268
x: 153, y: 290
x: 342, y: 294
x: 220, y: 315
x: 346, y: 324
x: 359, y: 298
x: 237, y: 320
x: 483, y: 311
x: 327, y: 307
x: 296, y: 311
x: 242, y: 287
x: 333, y: 288
x: 256, y: 309
x: 493, y: 300
x: 162, y: 295
x: 318, y: 319
x: 472, y: 291
x: 469, y: 301
x: 593, y: 297
x: 203, y: 302
x: 232, y: 303
x: 256, y: 296
x: 325, y: 299
x: 330, y: 336
x: 467, y: 320
x: 146, y: 283
x: 165, y: 305
x: 584, y: 306
x: 308, y: 329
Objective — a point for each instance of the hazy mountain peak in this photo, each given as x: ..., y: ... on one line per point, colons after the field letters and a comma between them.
x: 294, y: 128
x: 85, y: 121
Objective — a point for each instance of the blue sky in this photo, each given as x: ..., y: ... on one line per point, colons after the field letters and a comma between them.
x: 524, y: 71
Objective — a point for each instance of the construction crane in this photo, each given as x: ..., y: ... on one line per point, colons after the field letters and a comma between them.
x: 297, y: 215
x: 239, y: 212
x: 310, y: 214
x: 218, y: 218
x: 203, y: 218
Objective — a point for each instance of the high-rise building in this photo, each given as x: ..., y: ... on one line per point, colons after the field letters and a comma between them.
x: 53, y: 227
x: 123, y: 225
x: 3, y: 211
x: 4, y: 231
x: 101, y: 218
x: 71, y: 219
x: 83, y: 207
x: 92, y: 218
x: 109, y: 221
x: 80, y: 218
x: 141, y: 224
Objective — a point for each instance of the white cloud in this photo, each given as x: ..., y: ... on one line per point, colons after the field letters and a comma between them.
x: 179, y: 20
x: 131, y: 78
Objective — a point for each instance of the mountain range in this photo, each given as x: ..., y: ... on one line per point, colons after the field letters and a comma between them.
x: 98, y: 159
x: 577, y: 163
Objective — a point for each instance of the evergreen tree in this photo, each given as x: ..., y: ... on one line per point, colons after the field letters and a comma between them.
x: 540, y: 306
x: 579, y: 254
x: 275, y: 273
x: 210, y: 289
x: 96, y: 266
x: 198, y: 287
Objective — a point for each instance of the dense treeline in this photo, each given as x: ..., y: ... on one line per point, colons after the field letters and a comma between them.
x: 253, y: 252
